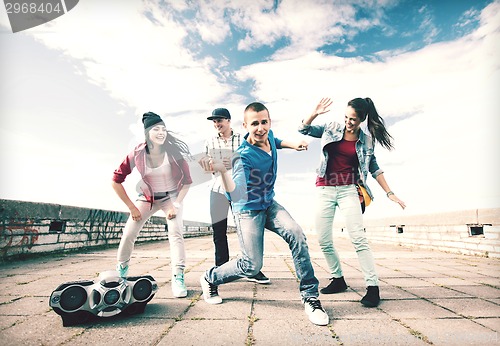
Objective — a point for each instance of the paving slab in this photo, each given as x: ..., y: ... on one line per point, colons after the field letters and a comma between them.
x: 436, y: 292
x: 459, y: 331
x: 210, y: 332
x: 374, y: 332
x: 428, y: 297
x: 469, y: 307
x: 289, y: 331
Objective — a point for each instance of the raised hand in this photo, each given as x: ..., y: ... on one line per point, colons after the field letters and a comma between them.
x: 322, y: 106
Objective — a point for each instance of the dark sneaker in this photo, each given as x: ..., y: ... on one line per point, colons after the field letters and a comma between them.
x: 372, y: 297
x: 210, y: 291
x: 337, y: 285
x: 260, y: 278
x: 315, y: 311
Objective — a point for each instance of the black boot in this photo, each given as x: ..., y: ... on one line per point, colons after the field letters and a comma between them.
x: 337, y: 285
x: 372, y: 297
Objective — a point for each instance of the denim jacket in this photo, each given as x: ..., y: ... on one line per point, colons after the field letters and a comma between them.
x: 334, y: 132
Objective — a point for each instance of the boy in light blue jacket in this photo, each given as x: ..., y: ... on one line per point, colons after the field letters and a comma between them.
x: 251, y: 191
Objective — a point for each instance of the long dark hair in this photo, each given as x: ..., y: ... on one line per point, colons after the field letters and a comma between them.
x: 172, y: 145
x: 365, y: 108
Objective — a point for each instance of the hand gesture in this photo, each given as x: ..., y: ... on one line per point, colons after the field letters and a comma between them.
x: 302, y: 145
x: 227, y: 162
x: 135, y: 213
x: 395, y: 199
x: 211, y: 165
x: 322, y: 106
x: 171, y: 213
x: 204, y: 163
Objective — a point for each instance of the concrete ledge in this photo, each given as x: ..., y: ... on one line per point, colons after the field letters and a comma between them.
x: 451, y: 232
x: 34, y: 228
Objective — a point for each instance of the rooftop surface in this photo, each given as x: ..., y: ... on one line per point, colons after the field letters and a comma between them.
x: 428, y: 297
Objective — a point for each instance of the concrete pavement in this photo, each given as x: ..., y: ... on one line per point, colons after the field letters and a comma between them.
x: 428, y: 297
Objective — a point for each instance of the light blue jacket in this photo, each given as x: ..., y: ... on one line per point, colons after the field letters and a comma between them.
x: 334, y: 132
x: 254, y: 174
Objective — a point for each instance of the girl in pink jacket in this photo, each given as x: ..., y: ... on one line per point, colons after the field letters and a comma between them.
x: 165, y: 182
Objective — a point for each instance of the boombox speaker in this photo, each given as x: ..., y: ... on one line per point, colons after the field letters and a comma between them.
x: 109, y: 295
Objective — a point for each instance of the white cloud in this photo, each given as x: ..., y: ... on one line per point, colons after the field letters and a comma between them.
x: 427, y: 25
x: 441, y: 99
x: 305, y: 25
x: 139, y: 61
x: 210, y: 21
x: 445, y: 152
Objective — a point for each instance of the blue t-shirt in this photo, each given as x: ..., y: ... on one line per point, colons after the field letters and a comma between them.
x: 254, y: 174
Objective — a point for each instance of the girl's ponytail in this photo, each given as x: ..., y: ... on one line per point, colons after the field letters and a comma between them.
x: 365, y: 108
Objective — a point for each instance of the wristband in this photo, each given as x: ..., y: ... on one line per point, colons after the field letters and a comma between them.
x: 390, y: 193
x: 177, y: 205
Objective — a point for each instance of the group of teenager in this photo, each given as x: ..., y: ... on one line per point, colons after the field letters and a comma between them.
x: 244, y: 171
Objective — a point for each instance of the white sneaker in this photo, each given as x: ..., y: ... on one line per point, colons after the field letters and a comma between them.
x: 179, y: 289
x: 315, y: 311
x: 210, y: 291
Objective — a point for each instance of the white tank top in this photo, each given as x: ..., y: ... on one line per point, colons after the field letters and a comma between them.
x: 160, y: 178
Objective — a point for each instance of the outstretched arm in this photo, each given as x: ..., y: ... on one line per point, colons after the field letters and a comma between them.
x: 299, y: 146
x: 383, y: 184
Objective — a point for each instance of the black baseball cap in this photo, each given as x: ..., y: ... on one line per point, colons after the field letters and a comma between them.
x: 220, y: 113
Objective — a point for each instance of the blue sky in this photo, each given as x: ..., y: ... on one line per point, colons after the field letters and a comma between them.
x: 73, y: 92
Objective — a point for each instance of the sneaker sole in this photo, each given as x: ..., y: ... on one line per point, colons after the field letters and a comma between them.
x: 323, y: 292
x: 369, y: 304
x: 323, y: 323
x: 318, y: 323
x: 180, y: 295
x: 262, y: 282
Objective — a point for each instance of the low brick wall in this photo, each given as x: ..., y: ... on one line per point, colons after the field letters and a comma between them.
x: 31, y: 228
x: 470, y: 232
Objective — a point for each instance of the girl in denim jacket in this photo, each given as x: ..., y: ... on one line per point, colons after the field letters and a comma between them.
x: 347, y: 158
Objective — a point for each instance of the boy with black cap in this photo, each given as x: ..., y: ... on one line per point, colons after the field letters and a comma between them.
x: 221, y: 147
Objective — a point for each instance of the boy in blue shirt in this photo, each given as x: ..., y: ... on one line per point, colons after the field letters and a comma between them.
x: 251, y: 191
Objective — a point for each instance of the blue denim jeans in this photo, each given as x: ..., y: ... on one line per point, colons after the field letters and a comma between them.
x: 346, y: 198
x: 250, y: 227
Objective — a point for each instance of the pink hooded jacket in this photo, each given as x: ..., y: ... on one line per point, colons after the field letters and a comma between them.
x: 137, y: 158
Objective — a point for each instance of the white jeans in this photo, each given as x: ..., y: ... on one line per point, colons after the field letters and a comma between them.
x: 346, y: 198
x: 175, y: 233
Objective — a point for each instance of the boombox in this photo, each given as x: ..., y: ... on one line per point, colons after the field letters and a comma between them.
x: 109, y: 295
